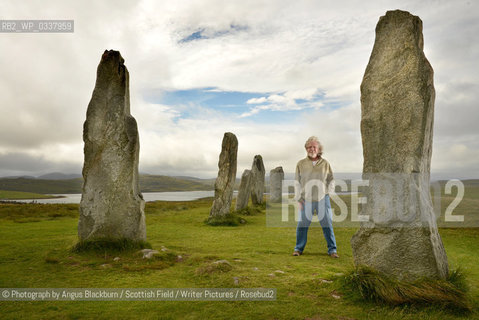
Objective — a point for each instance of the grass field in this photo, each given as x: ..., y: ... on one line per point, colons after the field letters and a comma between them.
x: 34, y: 252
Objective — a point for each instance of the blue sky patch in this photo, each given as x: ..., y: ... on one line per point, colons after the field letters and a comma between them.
x: 194, y: 36
x: 203, y: 33
x: 210, y: 97
x: 231, y: 103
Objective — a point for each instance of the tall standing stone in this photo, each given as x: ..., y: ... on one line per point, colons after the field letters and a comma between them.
x: 400, y: 237
x: 225, y: 181
x: 112, y: 205
x: 257, y: 176
x: 244, y: 190
x: 276, y: 177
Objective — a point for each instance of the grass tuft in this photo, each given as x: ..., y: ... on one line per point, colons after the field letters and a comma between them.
x: 458, y: 278
x: 52, y: 260
x: 375, y: 286
x: 220, y: 266
x: 159, y: 261
x: 109, y: 244
x: 261, y: 206
x: 231, y: 219
x: 249, y: 211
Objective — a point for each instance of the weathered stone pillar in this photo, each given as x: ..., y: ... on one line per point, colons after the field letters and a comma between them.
x: 276, y: 177
x: 244, y: 190
x: 400, y: 236
x: 225, y: 181
x: 112, y: 205
x: 257, y: 176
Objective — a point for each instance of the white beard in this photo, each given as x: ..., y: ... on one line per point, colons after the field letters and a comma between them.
x: 312, y: 155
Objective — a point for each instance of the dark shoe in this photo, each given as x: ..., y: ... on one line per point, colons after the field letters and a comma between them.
x: 297, y: 253
x: 334, y: 255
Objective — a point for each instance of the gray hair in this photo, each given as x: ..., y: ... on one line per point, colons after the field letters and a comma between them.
x: 315, y: 139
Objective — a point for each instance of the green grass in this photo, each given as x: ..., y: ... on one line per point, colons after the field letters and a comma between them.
x: 19, y: 195
x: 34, y: 212
x: 37, y: 253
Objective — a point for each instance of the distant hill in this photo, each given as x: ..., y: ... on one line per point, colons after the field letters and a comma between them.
x: 471, y: 182
x: 467, y: 182
x: 41, y: 185
x: 59, y: 176
x: 16, y: 177
x: 59, y: 183
x: 154, y: 183
x: 148, y: 183
x: 210, y: 181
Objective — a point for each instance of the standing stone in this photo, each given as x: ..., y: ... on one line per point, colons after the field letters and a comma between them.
x: 257, y: 176
x: 244, y: 190
x: 225, y: 181
x: 400, y: 237
x: 111, y: 205
x: 276, y: 177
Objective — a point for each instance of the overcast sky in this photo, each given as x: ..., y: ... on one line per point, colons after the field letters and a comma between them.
x: 272, y: 72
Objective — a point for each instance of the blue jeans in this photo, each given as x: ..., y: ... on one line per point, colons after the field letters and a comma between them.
x: 325, y: 216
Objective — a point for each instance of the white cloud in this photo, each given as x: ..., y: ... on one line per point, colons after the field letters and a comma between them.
x: 289, y: 51
x: 256, y: 100
x: 192, y: 146
x: 285, y: 102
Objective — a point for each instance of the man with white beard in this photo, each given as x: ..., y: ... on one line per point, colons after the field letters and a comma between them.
x: 315, y: 177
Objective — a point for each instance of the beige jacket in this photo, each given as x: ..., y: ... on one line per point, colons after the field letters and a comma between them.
x: 315, y: 181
